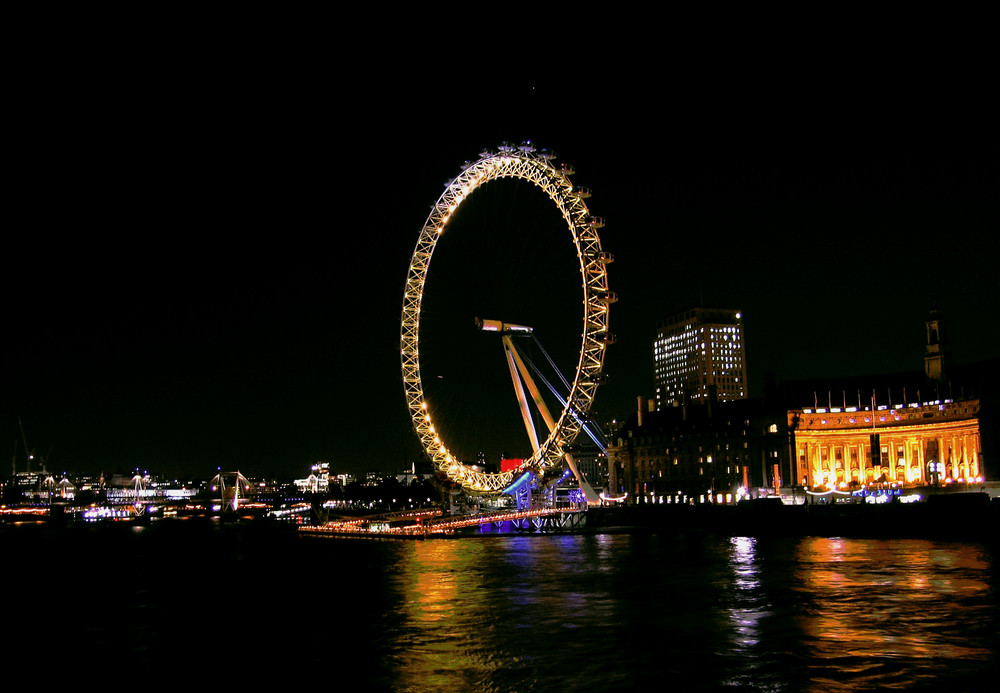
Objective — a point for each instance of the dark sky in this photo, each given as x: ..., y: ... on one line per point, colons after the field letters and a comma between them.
x: 205, y: 258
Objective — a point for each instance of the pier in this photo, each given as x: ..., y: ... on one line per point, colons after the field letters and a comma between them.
x: 434, y: 524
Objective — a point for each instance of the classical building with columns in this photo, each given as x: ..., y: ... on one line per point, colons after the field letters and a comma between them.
x: 908, y: 429
x: 916, y: 444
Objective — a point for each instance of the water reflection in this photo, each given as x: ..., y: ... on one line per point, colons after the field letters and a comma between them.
x: 641, y: 612
x: 523, y: 614
x: 434, y: 582
x: 442, y: 618
x: 505, y: 613
x: 883, y: 612
x: 750, y: 608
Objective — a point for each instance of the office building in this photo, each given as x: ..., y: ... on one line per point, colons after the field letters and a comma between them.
x: 697, y: 353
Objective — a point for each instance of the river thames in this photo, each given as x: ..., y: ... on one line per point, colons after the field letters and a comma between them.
x: 178, y: 601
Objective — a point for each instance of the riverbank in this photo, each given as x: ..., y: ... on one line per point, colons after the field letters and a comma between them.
x: 955, y: 516
x: 952, y: 516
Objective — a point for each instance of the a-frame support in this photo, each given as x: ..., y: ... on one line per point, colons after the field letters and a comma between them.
x: 517, y: 367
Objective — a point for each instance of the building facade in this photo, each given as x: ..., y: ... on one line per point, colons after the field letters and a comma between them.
x: 318, y: 480
x: 710, y: 452
x: 917, y: 444
x: 920, y: 429
x: 697, y: 354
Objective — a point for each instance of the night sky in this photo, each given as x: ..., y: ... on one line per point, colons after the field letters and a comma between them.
x: 205, y: 259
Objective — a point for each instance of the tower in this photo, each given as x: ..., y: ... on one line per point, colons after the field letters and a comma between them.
x: 698, y: 354
x: 934, y: 352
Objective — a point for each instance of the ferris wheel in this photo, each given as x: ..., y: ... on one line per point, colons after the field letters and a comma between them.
x: 534, y: 166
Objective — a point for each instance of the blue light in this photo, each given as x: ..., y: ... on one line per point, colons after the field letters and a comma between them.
x: 516, y: 486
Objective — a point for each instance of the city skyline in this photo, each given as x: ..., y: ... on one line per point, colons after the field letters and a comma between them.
x: 226, y: 292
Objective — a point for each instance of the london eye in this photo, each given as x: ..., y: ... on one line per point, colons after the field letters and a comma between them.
x: 585, y: 322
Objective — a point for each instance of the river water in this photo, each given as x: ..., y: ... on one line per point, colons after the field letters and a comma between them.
x: 182, y: 601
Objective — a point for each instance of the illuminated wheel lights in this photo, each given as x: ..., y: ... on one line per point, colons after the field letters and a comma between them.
x: 527, y: 164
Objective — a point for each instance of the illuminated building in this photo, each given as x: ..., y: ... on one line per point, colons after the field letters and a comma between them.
x: 906, y: 429
x: 907, y: 444
x: 699, y: 351
x: 318, y: 480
